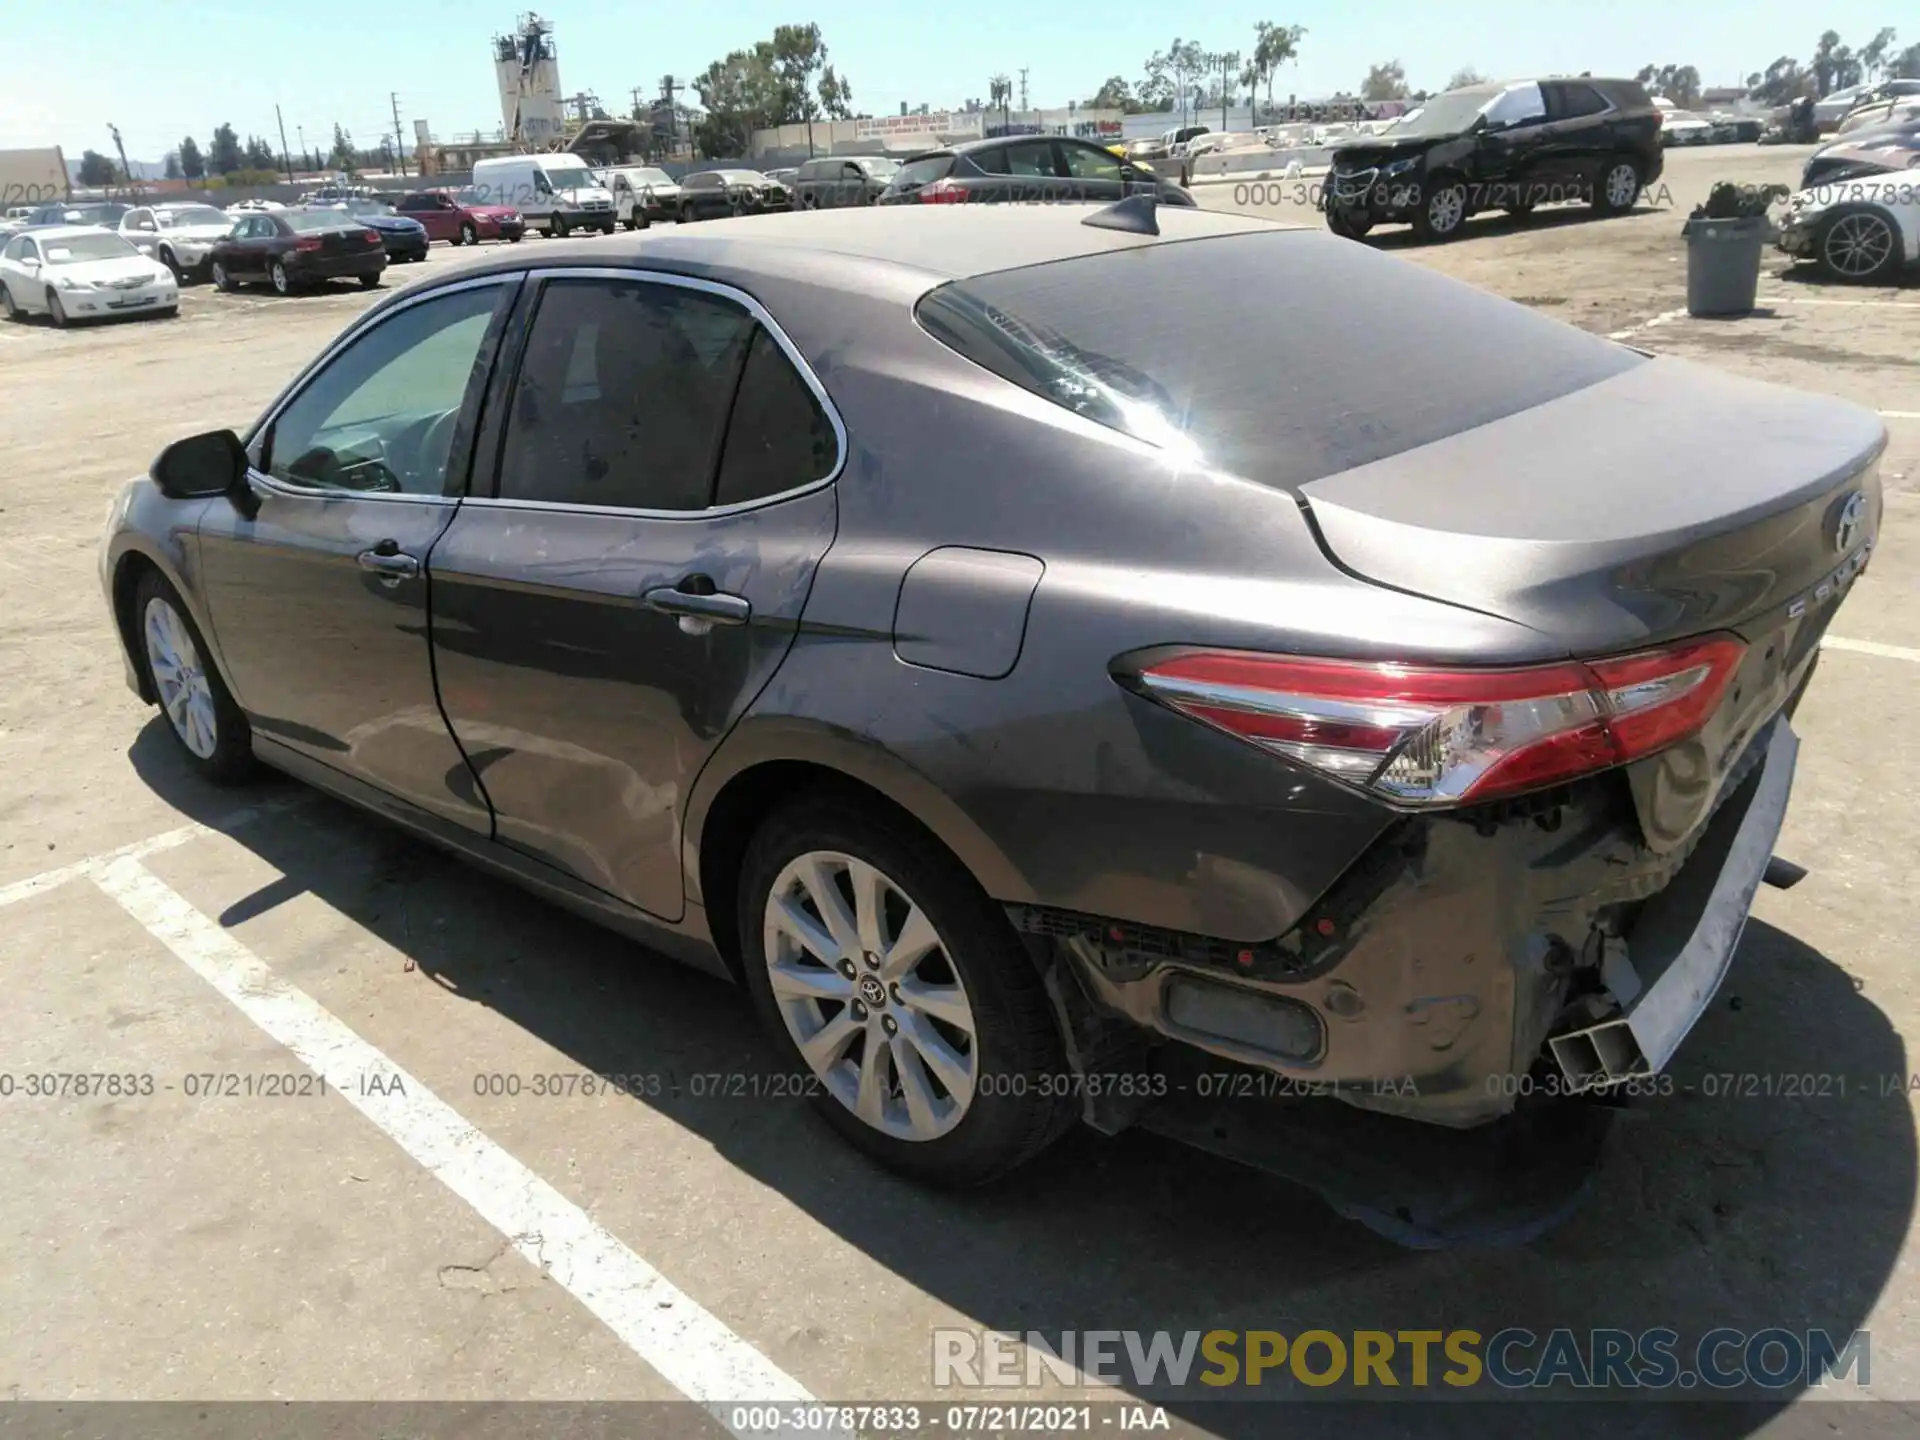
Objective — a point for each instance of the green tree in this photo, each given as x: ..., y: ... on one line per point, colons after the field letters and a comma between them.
x: 1905, y: 65
x: 1834, y: 66
x: 343, y: 156
x: 223, y: 151
x: 1273, y: 46
x: 1386, y: 81
x: 1114, y: 94
x: 260, y: 155
x: 1463, y: 77
x: 172, y: 163
x: 1784, y: 80
x: 1679, y: 83
x: 740, y: 94
x: 192, y: 165
x: 1876, y: 53
x: 1171, y: 74
x: 798, y: 55
x: 96, y: 169
x: 836, y: 95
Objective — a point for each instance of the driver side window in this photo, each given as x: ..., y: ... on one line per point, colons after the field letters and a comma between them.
x: 380, y: 416
x: 1522, y: 105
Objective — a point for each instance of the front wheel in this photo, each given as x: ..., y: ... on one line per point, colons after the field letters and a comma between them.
x: 1617, y: 188
x: 202, y: 714
x: 632, y: 222
x: 1860, y: 246
x: 56, y: 311
x: 1347, y: 225
x: 469, y: 235
x: 686, y: 214
x: 900, y: 993
x: 222, y: 281
x: 168, y: 259
x: 558, y: 227
x: 1442, y: 213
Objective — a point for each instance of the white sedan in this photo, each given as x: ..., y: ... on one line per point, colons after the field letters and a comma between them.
x: 1865, y: 230
x: 180, y: 237
x: 82, y: 273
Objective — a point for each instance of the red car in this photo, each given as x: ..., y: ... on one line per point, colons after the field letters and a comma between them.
x: 461, y: 219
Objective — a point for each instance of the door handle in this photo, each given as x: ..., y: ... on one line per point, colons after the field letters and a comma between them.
x: 390, y: 563
x: 697, y: 607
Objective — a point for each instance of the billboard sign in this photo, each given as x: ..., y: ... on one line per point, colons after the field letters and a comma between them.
x: 888, y: 127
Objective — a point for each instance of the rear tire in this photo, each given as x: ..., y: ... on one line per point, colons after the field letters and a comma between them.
x: 370, y: 282
x: 201, y: 715
x: 1617, y: 188
x: 686, y: 215
x: 282, y: 282
x: 14, y: 312
x: 949, y: 992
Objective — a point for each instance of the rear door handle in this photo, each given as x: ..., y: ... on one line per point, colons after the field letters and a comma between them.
x: 698, y: 613
x: 390, y: 563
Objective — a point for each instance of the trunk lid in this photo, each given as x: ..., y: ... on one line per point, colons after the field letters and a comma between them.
x: 1666, y: 500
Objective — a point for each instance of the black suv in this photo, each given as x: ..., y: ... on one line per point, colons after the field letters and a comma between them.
x: 1508, y: 146
x: 1025, y: 168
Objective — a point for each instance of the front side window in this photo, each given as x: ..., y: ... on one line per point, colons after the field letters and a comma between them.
x: 1085, y: 162
x: 621, y: 395
x: 1522, y: 105
x: 380, y: 417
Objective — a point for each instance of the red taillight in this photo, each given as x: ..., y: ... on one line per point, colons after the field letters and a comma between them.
x: 943, y: 192
x: 307, y: 242
x: 372, y: 236
x: 1425, y: 736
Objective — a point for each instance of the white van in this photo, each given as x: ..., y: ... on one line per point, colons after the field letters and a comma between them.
x: 558, y: 192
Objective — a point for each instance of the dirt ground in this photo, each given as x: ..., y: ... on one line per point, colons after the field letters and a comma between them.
x: 171, y: 1246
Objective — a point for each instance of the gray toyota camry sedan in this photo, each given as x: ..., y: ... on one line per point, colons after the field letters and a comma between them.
x: 1069, y: 665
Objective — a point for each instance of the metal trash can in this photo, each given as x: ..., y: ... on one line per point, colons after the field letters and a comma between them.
x: 1723, y: 264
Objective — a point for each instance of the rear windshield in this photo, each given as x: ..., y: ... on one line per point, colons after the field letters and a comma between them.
x: 1280, y: 356
x: 916, y: 173
x: 308, y: 221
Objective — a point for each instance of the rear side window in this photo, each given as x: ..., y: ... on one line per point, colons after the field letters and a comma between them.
x: 1351, y: 356
x: 1573, y: 101
x: 778, y: 438
x: 621, y: 395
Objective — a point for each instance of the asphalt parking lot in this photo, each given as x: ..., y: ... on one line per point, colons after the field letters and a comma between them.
x: 434, y: 1228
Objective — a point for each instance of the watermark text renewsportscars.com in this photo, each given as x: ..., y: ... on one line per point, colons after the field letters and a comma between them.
x: 1767, y: 1359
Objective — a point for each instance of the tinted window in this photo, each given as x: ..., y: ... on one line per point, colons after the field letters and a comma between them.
x: 380, y: 416
x: 1087, y: 162
x: 778, y: 437
x: 1573, y: 101
x: 1154, y: 342
x: 1026, y: 157
x: 621, y: 395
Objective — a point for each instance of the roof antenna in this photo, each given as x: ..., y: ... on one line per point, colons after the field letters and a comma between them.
x: 1134, y: 215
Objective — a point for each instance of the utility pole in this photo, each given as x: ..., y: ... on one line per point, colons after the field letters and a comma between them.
x: 1023, y: 89
x: 125, y: 169
x: 399, y: 139
x: 285, y: 158
x: 1228, y: 60
x: 301, y: 130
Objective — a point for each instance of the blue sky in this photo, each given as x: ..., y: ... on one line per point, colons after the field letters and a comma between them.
x: 161, y: 71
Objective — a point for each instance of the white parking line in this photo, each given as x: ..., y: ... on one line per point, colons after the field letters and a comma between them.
x: 1871, y: 647
x: 688, y: 1346
x: 1848, y: 304
x: 1652, y: 323
x: 1900, y: 414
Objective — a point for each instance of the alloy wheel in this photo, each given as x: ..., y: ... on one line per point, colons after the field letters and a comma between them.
x: 865, y: 988
x: 469, y: 235
x: 180, y: 676
x: 281, y: 284
x: 1858, y: 245
x: 1623, y: 186
x: 1447, y: 209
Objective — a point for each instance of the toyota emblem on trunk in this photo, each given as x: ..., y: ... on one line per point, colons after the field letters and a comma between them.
x: 1853, y: 519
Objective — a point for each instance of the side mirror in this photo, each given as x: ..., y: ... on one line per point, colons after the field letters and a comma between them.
x: 205, y: 465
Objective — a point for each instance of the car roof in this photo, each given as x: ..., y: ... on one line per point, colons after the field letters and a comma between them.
x: 61, y: 232
x: 839, y: 247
